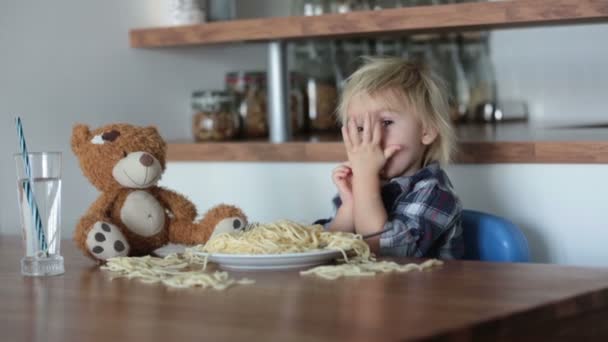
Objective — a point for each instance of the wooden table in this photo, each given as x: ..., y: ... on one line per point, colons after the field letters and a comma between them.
x: 459, y: 301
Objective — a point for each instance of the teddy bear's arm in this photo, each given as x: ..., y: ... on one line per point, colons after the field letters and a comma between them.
x: 178, y: 204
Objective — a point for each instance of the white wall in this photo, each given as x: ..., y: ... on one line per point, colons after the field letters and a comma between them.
x: 68, y: 61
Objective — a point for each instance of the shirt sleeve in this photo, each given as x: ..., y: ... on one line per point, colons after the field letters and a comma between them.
x: 424, y: 223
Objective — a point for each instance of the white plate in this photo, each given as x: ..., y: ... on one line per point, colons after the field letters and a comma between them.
x: 253, y: 262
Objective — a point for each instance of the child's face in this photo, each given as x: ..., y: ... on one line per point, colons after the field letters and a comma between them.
x: 400, y: 127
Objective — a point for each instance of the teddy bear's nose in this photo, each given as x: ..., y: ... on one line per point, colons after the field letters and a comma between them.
x: 146, y: 159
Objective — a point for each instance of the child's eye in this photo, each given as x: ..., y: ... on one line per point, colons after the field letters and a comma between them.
x: 386, y: 123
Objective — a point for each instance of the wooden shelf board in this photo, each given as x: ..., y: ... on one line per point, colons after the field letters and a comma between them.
x: 581, y: 152
x: 479, y: 144
x: 555, y: 152
x: 461, y: 17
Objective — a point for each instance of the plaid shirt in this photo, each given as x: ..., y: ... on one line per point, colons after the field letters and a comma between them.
x: 423, y: 216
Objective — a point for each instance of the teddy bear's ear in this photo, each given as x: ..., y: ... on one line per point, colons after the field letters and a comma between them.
x: 80, y: 136
x: 151, y: 130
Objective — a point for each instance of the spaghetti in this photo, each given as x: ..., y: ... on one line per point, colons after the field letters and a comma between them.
x: 365, y: 268
x: 284, y: 237
x: 189, y: 269
x: 177, y: 271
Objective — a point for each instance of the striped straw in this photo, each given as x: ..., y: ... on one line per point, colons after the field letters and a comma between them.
x: 27, y: 187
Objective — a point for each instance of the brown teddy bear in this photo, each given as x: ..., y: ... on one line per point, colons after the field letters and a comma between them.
x: 133, y: 216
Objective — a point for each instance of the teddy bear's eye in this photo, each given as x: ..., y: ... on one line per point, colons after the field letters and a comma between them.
x: 111, y: 135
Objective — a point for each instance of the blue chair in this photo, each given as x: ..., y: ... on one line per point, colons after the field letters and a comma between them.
x: 492, y: 238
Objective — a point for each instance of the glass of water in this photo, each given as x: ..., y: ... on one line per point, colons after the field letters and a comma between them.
x: 39, y: 199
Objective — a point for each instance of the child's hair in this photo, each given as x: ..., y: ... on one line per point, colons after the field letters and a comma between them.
x: 415, y: 81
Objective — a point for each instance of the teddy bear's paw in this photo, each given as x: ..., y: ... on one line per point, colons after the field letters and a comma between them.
x: 106, y: 241
x: 229, y: 225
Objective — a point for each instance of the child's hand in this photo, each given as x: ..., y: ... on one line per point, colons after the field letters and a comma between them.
x: 363, y: 148
x: 342, y: 178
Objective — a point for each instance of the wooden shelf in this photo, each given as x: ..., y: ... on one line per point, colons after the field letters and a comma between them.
x: 460, y: 17
x: 479, y: 144
x: 470, y: 152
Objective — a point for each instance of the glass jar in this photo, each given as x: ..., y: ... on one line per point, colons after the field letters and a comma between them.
x: 309, y: 7
x: 345, y: 6
x: 221, y: 10
x: 347, y: 57
x: 480, y: 73
x: 424, y: 51
x: 316, y: 67
x: 322, y: 100
x: 442, y: 57
x: 453, y: 73
x: 388, y: 46
x: 214, y: 116
x: 250, y: 97
x: 315, y: 75
x: 250, y: 92
x: 187, y: 12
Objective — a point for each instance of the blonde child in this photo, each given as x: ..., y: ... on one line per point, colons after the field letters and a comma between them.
x: 397, y: 134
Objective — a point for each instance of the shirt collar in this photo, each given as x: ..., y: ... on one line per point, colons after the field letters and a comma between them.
x: 432, y: 170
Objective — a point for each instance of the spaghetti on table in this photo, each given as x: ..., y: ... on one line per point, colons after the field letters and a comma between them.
x: 272, y: 238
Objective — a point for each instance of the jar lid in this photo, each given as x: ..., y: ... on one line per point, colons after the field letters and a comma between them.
x: 211, y: 99
x: 256, y: 77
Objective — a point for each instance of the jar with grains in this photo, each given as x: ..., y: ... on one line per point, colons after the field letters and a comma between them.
x: 214, y: 116
x: 314, y: 63
x: 249, y: 88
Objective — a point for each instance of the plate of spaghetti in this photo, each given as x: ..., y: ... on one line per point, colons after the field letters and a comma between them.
x: 278, y: 246
x: 281, y: 245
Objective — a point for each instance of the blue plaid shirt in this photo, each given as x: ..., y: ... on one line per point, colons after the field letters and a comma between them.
x: 423, y: 216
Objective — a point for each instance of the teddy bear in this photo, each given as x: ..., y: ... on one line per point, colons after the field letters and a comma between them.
x: 133, y: 216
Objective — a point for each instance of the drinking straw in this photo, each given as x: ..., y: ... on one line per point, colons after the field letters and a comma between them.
x: 27, y: 187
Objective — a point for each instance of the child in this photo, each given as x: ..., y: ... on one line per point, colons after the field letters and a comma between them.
x: 397, y: 133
